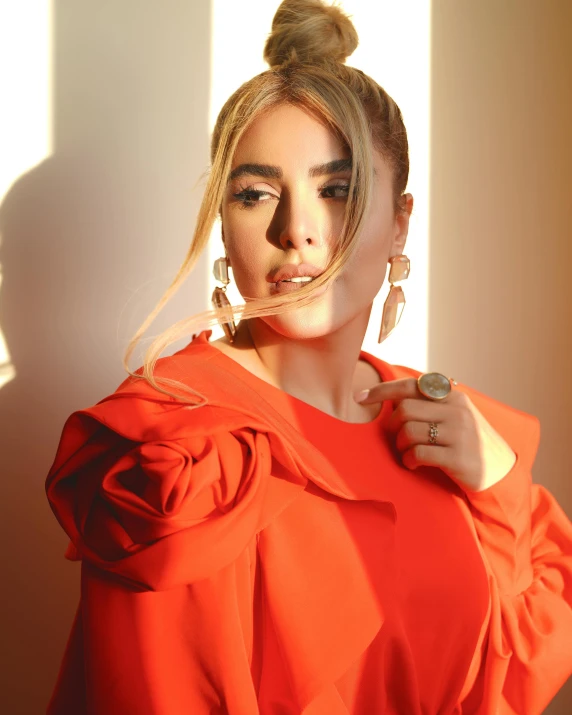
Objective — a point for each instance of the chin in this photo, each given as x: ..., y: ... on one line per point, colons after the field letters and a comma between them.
x: 324, y: 317
x: 303, y: 325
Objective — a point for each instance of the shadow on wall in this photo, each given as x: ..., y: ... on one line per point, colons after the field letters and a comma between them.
x: 91, y: 238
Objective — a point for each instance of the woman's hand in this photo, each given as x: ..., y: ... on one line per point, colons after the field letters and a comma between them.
x: 468, y: 449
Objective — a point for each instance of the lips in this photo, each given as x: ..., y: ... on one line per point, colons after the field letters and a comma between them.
x: 287, y: 287
x: 291, y: 270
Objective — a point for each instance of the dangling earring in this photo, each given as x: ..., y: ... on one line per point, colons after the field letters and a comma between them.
x: 395, y: 301
x: 219, y: 298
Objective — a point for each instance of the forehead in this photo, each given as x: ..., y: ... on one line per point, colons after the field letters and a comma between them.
x: 290, y: 137
x: 287, y: 134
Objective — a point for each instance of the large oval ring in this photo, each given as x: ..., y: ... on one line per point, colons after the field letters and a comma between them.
x: 434, y: 385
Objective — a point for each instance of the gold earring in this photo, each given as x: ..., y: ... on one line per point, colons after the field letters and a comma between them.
x: 219, y: 298
x: 395, y: 301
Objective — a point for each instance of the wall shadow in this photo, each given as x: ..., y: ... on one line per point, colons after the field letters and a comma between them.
x: 91, y: 237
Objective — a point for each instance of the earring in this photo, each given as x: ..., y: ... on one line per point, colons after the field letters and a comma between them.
x: 395, y: 301
x: 219, y: 298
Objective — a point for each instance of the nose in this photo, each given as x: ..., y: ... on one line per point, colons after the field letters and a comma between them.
x: 300, y: 224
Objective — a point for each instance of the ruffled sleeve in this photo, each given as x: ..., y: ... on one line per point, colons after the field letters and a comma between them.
x: 525, y: 652
x: 161, y: 495
x: 216, y: 572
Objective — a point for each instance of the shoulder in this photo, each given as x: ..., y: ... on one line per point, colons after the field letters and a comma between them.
x: 140, y: 466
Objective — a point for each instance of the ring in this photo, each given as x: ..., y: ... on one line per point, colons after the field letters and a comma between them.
x: 434, y: 385
x: 433, y: 433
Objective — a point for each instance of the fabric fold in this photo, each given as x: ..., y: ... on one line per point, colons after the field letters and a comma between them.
x: 526, y: 651
x: 161, y: 500
x: 502, y: 515
x: 524, y: 654
x: 227, y: 566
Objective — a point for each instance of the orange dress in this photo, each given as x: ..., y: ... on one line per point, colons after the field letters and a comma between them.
x: 258, y: 556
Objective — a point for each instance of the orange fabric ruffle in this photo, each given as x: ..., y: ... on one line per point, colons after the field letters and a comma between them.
x: 229, y: 568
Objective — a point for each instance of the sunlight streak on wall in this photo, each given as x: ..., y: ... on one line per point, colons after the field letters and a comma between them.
x: 26, y: 121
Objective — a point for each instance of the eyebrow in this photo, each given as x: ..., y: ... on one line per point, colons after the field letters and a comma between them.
x: 266, y: 171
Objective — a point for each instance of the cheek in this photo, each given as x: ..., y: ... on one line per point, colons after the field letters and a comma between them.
x: 369, y: 264
x: 247, y: 265
x: 248, y: 257
x: 242, y: 240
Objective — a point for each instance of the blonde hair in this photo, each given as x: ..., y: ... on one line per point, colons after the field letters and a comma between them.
x: 305, y: 50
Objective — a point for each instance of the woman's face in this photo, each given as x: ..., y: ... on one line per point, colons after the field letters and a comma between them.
x: 284, y: 204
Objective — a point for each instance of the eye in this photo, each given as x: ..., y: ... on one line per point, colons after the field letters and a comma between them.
x: 249, y: 197
x: 335, y: 191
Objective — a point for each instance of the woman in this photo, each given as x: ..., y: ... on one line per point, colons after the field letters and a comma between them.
x: 257, y: 536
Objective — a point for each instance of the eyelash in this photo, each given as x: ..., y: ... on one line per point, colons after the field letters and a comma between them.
x: 246, y: 195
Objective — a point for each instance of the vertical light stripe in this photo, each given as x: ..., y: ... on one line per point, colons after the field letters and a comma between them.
x: 26, y: 118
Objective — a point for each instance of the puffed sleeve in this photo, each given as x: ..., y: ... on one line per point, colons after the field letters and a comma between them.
x: 158, y: 494
x: 526, y: 541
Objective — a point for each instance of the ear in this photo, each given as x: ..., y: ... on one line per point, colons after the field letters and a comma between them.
x: 402, y: 224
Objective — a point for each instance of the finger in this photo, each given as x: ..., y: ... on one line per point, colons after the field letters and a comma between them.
x: 391, y: 390
x: 418, y: 410
x: 401, y: 389
x: 413, y: 433
x: 429, y: 455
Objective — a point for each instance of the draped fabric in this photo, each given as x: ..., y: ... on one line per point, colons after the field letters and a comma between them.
x: 256, y: 556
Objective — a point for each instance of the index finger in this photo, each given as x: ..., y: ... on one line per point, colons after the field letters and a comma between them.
x: 391, y: 390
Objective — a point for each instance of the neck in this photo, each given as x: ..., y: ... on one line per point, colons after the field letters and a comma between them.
x: 323, y: 371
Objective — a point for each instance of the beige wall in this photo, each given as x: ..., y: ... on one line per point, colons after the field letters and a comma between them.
x: 500, y: 277
x: 91, y: 237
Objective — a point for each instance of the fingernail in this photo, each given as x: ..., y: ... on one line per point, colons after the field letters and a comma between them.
x: 362, y: 395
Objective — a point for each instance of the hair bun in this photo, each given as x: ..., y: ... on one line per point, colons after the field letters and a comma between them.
x: 309, y: 31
